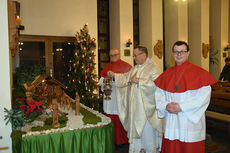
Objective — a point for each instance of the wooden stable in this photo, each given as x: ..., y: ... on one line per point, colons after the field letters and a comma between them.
x: 50, y: 88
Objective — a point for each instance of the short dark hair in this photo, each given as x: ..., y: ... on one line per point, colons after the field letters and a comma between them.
x: 179, y: 43
x: 142, y: 49
x: 227, y: 59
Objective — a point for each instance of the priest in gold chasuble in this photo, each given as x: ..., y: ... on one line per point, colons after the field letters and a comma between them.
x: 136, y: 103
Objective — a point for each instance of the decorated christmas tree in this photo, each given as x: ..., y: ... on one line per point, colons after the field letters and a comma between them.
x: 81, y: 67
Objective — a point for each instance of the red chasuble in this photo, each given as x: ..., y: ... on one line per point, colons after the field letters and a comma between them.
x: 178, y: 79
x: 120, y: 135
x: 181, y: 78
x: 117, y: 67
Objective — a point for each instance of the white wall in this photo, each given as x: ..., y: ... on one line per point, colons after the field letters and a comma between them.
x: 58, y: 17
x: 5, y: 89
x: 126, y: 28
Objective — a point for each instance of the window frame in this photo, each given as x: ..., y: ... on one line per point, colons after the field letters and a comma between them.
x: 48, y: 40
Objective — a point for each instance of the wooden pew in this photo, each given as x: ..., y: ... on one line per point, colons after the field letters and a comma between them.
x: 219, y: 108
x: 220, y: 96
x: 221, y: 86
x: 219, y: 117
x: 221, y: 99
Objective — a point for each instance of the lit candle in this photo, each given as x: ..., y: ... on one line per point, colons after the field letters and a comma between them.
x: 51, y: 73
x: 129, y: 39
x: 18, y: 20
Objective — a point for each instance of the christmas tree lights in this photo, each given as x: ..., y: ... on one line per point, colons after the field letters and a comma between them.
x: 81, y: 67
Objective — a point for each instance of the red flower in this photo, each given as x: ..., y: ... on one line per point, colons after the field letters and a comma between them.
x: 23, y: 107
x: 20, y: 99
x: 39, y: 110
x: 13, y: 101
x: 28, y: 106
x: 27, y: 113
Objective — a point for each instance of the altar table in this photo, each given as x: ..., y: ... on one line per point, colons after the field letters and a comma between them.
x: 90, y: 140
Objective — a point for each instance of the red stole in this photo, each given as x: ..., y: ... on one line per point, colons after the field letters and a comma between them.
x: 186, y: 76
x: 118, y: 67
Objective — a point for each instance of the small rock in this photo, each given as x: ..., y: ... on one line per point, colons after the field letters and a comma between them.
x: 48, y: 112
x: 37, y: 123
x: 42, y: 117
x: 26, y: 128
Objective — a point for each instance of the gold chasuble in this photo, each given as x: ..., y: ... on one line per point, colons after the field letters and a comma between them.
x: 136, y: 102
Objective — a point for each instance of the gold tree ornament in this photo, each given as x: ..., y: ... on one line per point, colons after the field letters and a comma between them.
x: 158, y: 49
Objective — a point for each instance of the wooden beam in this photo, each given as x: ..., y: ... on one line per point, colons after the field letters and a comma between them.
x: 4, y: 148
x: 221, y: 103
x: 218, y: 116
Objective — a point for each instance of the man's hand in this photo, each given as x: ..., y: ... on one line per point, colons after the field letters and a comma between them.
x: 173, y: 107
x: 110, y: 74
x: 134, y: 79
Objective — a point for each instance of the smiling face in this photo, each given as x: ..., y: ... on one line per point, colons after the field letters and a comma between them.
x: 180, y: 54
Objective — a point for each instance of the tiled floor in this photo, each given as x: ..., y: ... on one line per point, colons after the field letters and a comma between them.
x: 220, y: 137
x: 122, y: 149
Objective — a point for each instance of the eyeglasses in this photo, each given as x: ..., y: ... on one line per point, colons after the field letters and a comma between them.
x: 113, y: 55
x: 180, y: 52
x: 137, y: 54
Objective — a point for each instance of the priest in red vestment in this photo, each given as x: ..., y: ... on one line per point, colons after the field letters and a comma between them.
x: 110, y: 106
x: 182, y: 97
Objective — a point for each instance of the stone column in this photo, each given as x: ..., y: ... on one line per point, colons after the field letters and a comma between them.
x: 199, y: 32
x: 121, y: 27
x: 175, y: 26
x: 151, y: 27
x: 219, y: 34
